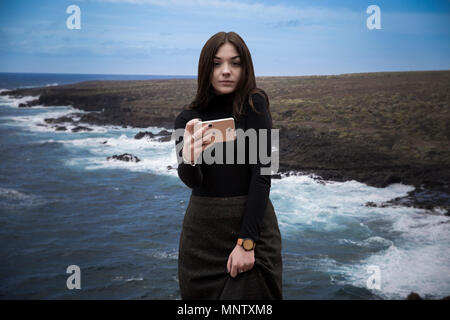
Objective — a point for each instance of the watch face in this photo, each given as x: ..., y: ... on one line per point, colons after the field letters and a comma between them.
x: 248, y: 244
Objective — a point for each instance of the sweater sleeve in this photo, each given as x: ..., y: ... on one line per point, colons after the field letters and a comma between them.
x: 259, y: 189
x: 191, y: 175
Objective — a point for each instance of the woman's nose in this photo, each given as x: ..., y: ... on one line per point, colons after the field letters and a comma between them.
x: 226, y: 69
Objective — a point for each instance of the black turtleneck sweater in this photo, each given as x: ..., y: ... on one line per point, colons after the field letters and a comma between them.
x: 228, y: 180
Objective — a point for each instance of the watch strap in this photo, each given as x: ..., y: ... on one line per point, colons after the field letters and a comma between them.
x: 246, y: 243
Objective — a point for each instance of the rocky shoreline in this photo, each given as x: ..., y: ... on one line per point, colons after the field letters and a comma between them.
x: 306, y: 144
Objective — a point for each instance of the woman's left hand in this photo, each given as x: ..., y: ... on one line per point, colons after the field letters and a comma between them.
x: 240, y: 260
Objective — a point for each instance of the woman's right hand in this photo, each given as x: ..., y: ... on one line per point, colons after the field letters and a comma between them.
x: 194, y: 140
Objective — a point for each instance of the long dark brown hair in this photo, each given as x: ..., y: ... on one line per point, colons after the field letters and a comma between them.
x: 247, y: 83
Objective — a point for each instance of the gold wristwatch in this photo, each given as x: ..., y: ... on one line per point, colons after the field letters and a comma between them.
x: 247, y: 243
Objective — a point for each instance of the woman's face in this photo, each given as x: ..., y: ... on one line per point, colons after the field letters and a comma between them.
x: 226, y: 69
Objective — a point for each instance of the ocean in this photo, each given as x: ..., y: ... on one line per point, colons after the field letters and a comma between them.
x: 62, y: 203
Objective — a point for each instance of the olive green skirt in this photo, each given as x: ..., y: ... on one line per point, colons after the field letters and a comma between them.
x: 209, y: 234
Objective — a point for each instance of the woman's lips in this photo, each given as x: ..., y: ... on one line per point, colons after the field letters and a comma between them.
x: 226, y: 82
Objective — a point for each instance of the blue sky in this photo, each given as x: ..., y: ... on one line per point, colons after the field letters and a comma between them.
x: 165, y: 37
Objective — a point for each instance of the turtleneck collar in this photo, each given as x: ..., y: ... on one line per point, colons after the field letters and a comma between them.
x: 222, y: 100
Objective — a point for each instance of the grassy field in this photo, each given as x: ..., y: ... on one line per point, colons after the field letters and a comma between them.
x: 400, y: 114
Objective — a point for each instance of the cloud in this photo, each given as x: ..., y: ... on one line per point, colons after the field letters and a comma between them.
x: 278, y: 14
x: 288, y: 23
x: 175, y: 30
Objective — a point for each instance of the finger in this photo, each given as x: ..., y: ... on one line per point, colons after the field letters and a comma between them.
x: 229, y: 264
x: 234, y: 270
x: 248, y: 265
x: 188, y: 152
x: 207, y: 145
x: 199, y: 144
x: 199, y: 131
x: 206, y: 141
x: 191, y: 124
x: 188, y: 140
x: 208, y: 138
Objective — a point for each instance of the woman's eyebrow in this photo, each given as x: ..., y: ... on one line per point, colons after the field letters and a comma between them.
x: 215, y: 57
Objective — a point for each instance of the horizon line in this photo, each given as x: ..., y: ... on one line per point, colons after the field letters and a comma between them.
x: 178, y: 75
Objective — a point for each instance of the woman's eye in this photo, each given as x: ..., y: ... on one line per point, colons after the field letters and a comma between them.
x: 236, y: 64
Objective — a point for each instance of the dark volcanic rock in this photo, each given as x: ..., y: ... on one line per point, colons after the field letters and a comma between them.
x: 142, y: 134
x: 415, y: 296
x: 111, y: 116
x: 124, y: 157
x: 161, y: 136
x: 424, y: 198
x: 164, y: 133
x: 59, y: 120
x: 93, y: 118
x: 164, y: 136
x: 164, y: 139
x: 81, y: 128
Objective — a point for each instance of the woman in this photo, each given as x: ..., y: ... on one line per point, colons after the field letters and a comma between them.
x: 230, y: 244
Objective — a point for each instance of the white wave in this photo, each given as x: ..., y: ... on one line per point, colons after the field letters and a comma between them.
x: 371, y: 242
x: 157, y: 165
x: 13, y: 198
x: 13, y: 194
x: 424, y: 228
x: 155, y: 156
x: 164, y: 255
x: 122, y: 144
x: 410, y: 247
x: 15, y: 102
x: 125, y: 143
x: 125, y: 279
x: 35, y: 122
x: 422, y: 269
x: 139, y: 278
x: 330, y: 206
